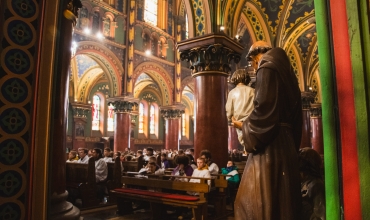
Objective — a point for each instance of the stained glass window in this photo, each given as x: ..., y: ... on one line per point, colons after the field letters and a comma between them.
x: 183, y: 125
x: 150, y: 13
x: 110, y: 118
x: 141, y: 118
x: 152, y: 120
x: 186, y: 27
x: 96, y: 113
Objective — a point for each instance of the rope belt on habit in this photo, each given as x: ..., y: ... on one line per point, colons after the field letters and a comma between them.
x: 285, y: 125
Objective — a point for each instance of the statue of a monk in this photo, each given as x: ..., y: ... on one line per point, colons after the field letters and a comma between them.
x: 270, y: 186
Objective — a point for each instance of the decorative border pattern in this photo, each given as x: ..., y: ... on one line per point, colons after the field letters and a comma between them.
x: 18, y: 51
x: 158, y: 74
x: 199, y: 17
x: 256, y: 24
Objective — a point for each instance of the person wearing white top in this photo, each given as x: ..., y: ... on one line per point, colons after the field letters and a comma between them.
x: 82, y: 152
x: 201, y: 171
x: 101, y: 168
x: 212, y: 167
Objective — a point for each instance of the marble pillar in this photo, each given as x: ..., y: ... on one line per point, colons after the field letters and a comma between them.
x: 59, y: 207
x: 172, y: 115
x: 316, y: 127
x: 80, y: 113
x: 123, y: 106
x: 307, y: 98
x: 210, y: 56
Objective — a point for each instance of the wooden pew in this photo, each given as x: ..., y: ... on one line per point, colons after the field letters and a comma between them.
x: 133, y: 166
x: 81, y: 182
x: 198, y: 204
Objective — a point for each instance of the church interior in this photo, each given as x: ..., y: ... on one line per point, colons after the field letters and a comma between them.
x: 124, y: 74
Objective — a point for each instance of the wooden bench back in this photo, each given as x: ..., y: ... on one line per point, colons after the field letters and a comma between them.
x: 133, y: 166
x: 81, y: 173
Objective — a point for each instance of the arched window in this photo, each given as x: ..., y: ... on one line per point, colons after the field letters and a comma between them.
x: 150, y: 13
x: 83, y: 19
x: 152, y: 120
x: 183, y: 127
x: 106, y: 28
x: 141, y: 118
x: 96, y: 113
x: 96, y: 22
x: 110, y: 120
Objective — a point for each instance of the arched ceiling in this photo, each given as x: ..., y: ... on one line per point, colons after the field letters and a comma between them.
x: 84, y: 63
x: 145, y: 83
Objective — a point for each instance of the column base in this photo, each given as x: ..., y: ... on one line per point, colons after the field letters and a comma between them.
x: 61, y: 209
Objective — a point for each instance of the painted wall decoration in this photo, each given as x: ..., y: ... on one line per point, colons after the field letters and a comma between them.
x: 17, y: 71
x: 199, y: 17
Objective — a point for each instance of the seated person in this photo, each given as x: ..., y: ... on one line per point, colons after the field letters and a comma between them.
x: 151, y: 159
x: 107, y: 155
x: 183, y: 169
x: 82, y: 153
x: 312, y: 185
x: 233, y: 180
x: 164, y: 162
x: 101, y: 173
x: 201, y: 171
x: 212, y: 167
x: 72, y: 157
x: 154, y: 169
x: 149, y: 153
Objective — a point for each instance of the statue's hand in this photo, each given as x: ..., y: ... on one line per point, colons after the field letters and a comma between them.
x: 236, y: 124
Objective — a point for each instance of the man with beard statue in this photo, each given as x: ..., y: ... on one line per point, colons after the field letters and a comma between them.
x: 270, y: 186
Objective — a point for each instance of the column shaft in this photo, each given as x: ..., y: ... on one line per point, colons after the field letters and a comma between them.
x: 172, y: 133
x: 306, y: 129
x: 122, y: 131
x: 317, y: 137
x: 211, y: 129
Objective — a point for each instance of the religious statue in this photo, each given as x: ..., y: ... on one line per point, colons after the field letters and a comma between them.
x: 240, y: 99
x: 270, y: 186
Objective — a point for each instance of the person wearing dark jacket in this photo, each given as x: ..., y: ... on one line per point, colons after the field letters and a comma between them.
x: 233, y: 179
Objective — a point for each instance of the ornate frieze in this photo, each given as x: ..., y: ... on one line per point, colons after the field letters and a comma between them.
x: 172, y: 111
x: 315, y: 110
x: 81, y: 110
x: 123, y: 104
x: 307, y: 98
x: 210, y: 53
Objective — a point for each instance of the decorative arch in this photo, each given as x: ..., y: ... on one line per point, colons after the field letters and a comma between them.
x: 296, y: 62
x: 188, y: 103
x: 187, y: 81
x: 107, y: 60
x: 160, y: 76
x: 257, y: 22
x: 301, y: 25
x: 315, y: 83
x: 86, y: 83
x: 310, y: 59
x: 248, y: 27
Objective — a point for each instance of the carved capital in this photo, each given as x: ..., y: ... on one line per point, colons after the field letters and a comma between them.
x: 172, y: 111
x: 315, y: 110
x: 211, y: 53
x: 307, y: 98
x: 123, y: 104
x: 80, y: 110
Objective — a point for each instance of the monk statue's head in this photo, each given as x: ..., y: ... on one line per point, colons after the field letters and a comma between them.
x: 240, y: 76
x: 256, y: 51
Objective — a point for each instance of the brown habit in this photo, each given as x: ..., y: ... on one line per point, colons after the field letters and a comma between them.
x: 270, y: 186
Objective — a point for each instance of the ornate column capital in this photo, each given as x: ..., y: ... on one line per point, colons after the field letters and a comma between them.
x: 210, y: 54
x: 307, y: 98
x: 315, y: 110
x: 172, y: 111
x: 123, y: 104
x: 80, y: 110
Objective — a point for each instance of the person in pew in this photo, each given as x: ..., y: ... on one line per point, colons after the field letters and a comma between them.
x: 107, y: 155
x: 149, y: 153
x: 201, y: 171
x: 82, y: 152
x: 232, y: 181
x: 164, y: 162
x: 146, y: 167
x: 139, y: 155
x: 212, y: 167
x: 183, y: 169
x: 154, y: 169
x: 101, y: 173
x: 89, y: 154
x: 72, y: 157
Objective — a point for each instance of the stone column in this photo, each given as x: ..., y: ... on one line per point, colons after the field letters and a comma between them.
x: 59, y: 208
x: 307, y: 98
x: 80, y: 113
x: 122, y: 131
x: 172, y: 115
x: 210, y: 56
x: 233, y: 142
x: 316, y: 127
